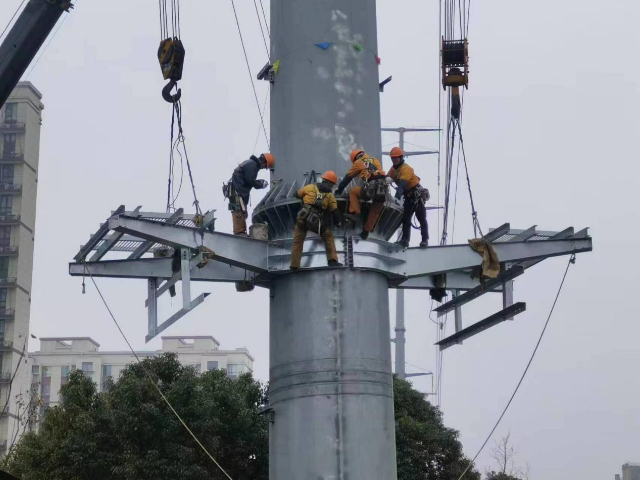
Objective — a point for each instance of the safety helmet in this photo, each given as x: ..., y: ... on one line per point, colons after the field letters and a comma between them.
x: 355, y: 153
x: 270, y: 159
x: 330, y: 176
x: 396, y: 152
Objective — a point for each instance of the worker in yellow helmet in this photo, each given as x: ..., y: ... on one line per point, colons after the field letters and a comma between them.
x: 374, y: 188
x: 244, y: 178
x: 415, y: 197
x: 317, y: 202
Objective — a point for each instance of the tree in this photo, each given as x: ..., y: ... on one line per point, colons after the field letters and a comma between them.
x: 504, y: 454
x: 426, y: 449
x: 128, y: 432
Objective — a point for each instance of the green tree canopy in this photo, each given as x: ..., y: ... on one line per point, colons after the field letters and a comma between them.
x: 128, y: 432
x: 426, y: 449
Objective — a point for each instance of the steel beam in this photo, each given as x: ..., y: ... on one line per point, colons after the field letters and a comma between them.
x: 176, y: 316
x: 243, y: 252
x: 96, y: 237
x: 159, y: 268
x: 455, y: 281
x: 482, y: 325
x: 145, y: 246
x: 434, y: 260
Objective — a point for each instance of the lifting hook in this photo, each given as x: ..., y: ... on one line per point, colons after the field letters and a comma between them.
x: 166, y: 92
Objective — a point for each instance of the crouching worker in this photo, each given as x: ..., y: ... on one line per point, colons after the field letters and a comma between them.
x: 317, y: 203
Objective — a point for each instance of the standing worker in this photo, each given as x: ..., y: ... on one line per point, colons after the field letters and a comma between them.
x: 374, y: 188
x: 317, y: 201
x: 244, y: 178
x: 415, y: 197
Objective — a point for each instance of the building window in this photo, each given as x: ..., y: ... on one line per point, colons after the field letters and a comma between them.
x: 4, y: 264
x: 3, y: 298
x: 87, y: 369
x: 45, y: 385
x: 212, y: 365
x: 1, y: 329
x: 233, y: 370
x: 35, y: 376
x: 106, y: 375
x: 65, y: 370
x: 197, y: 368
x: 11, y: 113
x: 6, y: 204
x: 5, y: 239
x: 6, y: 174
x: 9, y: 141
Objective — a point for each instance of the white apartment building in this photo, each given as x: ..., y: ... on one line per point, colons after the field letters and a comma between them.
x: 20, y: 121
x: 58, y: 357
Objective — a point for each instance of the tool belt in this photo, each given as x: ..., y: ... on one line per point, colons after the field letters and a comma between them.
x: 375, y: 189
x: 312, y: 216
x: 419, y: 194
x: 236, y: 202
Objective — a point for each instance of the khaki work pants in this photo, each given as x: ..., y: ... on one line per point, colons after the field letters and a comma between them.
x: 354, y: 207
x: 239, y: 222
x: 300, y: 233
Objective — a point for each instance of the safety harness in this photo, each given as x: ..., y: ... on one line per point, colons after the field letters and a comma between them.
x: 374, y: 185
x: 313, y: 214
x: 236, y: 202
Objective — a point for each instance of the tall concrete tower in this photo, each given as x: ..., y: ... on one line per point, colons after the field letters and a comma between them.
x: 20, y: 121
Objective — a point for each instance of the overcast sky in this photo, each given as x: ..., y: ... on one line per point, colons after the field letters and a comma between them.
x: 550, y: 124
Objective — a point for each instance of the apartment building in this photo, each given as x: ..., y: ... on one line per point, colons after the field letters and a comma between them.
x: 58, y: 357
x: 20, y: 121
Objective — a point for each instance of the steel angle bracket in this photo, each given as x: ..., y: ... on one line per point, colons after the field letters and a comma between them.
x: 155, y: 290
x: 482, y: 325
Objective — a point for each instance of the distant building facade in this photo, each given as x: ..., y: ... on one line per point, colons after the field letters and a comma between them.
x: 20, y: 121
x: 58, y: 357
x: 631, y: 471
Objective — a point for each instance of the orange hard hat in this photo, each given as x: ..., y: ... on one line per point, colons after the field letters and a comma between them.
x: 396, y: 152
x: 270, y: 159
x: 330, y: 176
x: 355, y: 153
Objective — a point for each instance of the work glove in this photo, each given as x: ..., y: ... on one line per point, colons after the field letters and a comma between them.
x: 263, y: 184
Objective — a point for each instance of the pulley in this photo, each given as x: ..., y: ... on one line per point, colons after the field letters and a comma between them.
x: 455, y: 63
x: 171, y: 57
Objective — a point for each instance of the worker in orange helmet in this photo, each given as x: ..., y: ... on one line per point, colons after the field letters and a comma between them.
x: 244, y: 178
x: 374, y: 188
x: 317, y: 202
x: 415, y: 197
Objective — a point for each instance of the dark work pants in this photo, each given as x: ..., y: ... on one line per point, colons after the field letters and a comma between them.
x: 412, y: 206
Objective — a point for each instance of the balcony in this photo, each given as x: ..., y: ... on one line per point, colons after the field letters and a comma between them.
x: 3, y: 445
x: 9, y: 219
x: 12, y: 157
x: 10, y: 188
x: 12, y: 127
x: 8, y: 281
x: 6, y: 345
x: 5, y: 377
x: 7, y: 314
x: 7, y: 251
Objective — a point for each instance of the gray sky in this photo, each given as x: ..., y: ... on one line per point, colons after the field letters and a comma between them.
x: 549, y: 122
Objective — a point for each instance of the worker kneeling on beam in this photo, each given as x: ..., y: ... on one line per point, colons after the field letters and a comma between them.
x: 244, y: 178
x: 317, y: 203
x: 415, y: 197
x: 374, y: 188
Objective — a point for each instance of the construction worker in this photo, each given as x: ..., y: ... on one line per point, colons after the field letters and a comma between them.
x: 317, y: 202
x: 374, y: 188
x: 415, y: 197
x: 244, y: 178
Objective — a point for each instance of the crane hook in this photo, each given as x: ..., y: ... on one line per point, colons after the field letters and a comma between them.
x: 166, y: 92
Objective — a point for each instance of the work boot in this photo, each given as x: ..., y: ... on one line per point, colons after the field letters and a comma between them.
x: 403, y: 243
x: 294, y: 268
x: 364, y: 235
x: 424, y: 244
x: 335, y: 263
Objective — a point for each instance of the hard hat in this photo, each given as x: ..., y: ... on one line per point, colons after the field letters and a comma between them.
x: 270, y: 159
x: 330, y: 176
x: 355, y: 153
x: 396, y: 152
